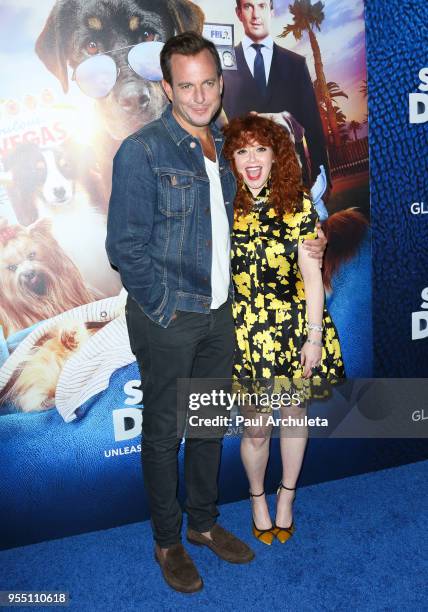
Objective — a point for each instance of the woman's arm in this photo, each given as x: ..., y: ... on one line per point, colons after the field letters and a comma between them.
x: 314, y: 291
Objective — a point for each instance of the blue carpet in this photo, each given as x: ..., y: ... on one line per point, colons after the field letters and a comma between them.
x: 360, y: 544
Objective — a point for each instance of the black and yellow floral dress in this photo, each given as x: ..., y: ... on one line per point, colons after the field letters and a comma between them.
x: 270, y: 306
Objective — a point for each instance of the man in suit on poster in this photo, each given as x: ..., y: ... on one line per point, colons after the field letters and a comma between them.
x: 271, y: 79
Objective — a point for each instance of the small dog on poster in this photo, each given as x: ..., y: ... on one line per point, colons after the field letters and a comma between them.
x: 33, y: 385
x: 37, y: 279
x: 50, y: 174
x: 78, y: 30
x: 62, y: 183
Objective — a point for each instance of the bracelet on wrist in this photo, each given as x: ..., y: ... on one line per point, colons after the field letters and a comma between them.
x: 314, y: 342
x: 315, y: 327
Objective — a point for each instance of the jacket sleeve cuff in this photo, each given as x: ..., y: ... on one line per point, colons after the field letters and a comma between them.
x: 163, y: 314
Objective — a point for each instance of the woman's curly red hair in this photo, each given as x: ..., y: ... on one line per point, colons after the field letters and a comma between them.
x: 286, y: 187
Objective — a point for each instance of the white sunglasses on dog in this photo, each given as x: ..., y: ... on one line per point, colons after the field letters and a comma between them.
x: 96, y: 76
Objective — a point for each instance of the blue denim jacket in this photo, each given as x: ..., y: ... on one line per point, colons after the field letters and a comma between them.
x: 159, y: 219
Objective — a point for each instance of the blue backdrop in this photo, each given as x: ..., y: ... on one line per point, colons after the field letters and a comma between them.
x: 396, y: 51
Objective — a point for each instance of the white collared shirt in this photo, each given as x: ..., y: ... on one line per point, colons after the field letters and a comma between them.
x: 250, y: 53
x: 220, y: 266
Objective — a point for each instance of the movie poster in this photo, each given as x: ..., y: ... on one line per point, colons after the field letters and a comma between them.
x: 77, y: 78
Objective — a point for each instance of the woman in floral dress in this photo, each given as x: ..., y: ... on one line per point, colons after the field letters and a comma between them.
x: 283, y: 330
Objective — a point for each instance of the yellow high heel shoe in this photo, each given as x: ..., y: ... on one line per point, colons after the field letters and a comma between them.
x: 266, y: 536
x: 283, y: 534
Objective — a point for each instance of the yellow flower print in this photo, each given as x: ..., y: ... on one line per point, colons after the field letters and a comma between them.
x: 270, y: 305
x: 241, y: 223
x: 272, y: 258
x: 250, y: 318
x: 243, y: 283
x: 241, y: 342
x: 255, y: 224
x: 264, y: 339
x: 336, y: 349
x: 260, y: 301
x: 295, y: 233
x: 292, y: 219
x: 263, y: 315
x: 277, y: 248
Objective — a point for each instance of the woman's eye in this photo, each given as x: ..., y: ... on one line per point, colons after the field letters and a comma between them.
x: 241, y: 151
x: 12, y: 267
x: 261, y: 149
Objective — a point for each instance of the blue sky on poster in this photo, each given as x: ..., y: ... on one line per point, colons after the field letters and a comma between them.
x: 341, y: 41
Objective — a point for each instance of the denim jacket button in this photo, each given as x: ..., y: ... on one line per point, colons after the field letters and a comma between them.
x: 192, y: 145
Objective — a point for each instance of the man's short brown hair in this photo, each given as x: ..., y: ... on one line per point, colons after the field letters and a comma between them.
x: 186, y: 43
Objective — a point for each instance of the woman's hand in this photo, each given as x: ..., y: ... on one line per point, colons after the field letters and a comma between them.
x: 315, y: 248
x: 310, y: 357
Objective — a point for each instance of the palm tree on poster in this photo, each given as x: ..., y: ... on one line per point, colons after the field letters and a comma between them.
x: 353, y: 127
x: 307, y: 17
x: 335, y: 92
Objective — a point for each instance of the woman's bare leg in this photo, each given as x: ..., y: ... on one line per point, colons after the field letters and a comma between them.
x: 293, y: 444
x: 255, y: 454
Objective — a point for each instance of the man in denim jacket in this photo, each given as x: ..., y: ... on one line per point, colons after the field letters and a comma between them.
x: 169, y: 224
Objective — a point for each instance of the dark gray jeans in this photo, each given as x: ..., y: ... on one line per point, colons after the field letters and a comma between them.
x: 194, y: 345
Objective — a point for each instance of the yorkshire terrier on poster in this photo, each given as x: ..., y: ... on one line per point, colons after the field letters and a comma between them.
x: 37, y: 279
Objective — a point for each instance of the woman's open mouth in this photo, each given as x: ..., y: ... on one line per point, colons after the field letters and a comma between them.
x: 253, y: 173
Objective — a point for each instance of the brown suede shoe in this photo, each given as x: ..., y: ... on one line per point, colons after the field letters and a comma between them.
x: 227, y: 546
x: 178, y: 569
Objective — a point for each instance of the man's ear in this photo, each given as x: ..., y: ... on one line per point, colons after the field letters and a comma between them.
x: 167, y: 89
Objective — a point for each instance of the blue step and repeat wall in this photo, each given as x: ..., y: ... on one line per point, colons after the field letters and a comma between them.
x: 70, y: 403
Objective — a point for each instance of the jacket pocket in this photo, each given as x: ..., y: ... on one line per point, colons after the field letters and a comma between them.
x: 177, y: 194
